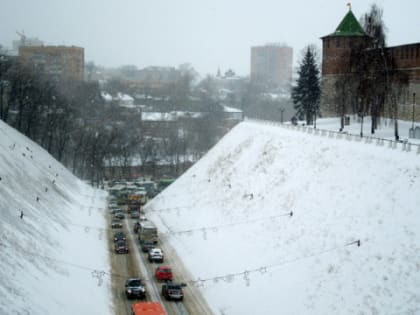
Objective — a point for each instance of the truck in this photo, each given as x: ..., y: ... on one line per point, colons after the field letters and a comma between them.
x: 147, y: 308
x: 147, y: 231
x: 136, y: 199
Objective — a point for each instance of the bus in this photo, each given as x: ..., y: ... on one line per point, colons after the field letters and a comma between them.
x: 147, y: 308
x: 147, y: 232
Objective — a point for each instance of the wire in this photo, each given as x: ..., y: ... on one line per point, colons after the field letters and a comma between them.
x: 248, y: 196
x: 214, y: 228
x: 98, y: 273
x: 264, y: 269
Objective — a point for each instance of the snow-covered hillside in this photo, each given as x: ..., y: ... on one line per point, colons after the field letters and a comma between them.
x: 52, y: 258
x: 271, y: 219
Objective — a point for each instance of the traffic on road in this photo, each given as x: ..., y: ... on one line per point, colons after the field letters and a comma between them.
x: 146, y: 280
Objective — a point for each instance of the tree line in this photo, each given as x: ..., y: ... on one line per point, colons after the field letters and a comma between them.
x: 72, y: 121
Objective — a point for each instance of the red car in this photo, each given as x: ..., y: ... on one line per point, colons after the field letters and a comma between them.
x: 163, y: 273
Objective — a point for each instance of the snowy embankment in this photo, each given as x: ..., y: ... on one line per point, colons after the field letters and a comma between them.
x: 270, y: 220
x: 53, y: 258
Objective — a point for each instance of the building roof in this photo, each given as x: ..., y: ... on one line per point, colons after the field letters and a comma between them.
x: 349, y: 26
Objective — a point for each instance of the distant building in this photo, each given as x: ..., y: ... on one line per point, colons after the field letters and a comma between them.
x: 271, y: 65
x: 60, y: 62
x: 151, y: 77
x: 336, y: 51
x: 25, y: 41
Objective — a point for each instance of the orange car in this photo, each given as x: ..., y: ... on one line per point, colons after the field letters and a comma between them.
x: 149, y: 308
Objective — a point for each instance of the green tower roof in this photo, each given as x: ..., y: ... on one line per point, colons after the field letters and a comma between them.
x: 349, y: 26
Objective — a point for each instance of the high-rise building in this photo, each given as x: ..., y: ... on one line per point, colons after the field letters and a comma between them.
x: 59, y: 62
x: 271, y: 65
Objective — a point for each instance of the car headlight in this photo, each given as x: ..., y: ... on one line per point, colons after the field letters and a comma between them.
x: 129, y: 291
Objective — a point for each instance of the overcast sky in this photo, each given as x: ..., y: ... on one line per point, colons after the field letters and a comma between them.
x: 206, y: 33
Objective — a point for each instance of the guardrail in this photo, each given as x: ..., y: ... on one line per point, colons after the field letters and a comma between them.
x: 405, y: 146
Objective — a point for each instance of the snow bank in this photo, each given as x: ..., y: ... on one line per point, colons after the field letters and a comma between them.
x: 53, y: 257
x: 270, y: 220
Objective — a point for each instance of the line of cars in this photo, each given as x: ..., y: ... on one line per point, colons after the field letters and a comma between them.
x: 120, y: 240
x: 135, y: 288
x: 146, y: 233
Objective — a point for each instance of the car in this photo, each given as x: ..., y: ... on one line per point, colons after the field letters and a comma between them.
x: 116, y: 210
x: 173, y: 291
x: 119, y: 215
x: 112, y: 206
x: 133, y: 208
x: 134, y: 288
x: 163, y: 273
x: 155, y: 255
x: 135, y: 214
x: 121, y: 247
x: 146, y: 246
x: 119, y: 236
x: 116, y: 224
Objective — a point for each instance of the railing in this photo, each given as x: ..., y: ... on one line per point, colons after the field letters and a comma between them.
x: 405, y: 146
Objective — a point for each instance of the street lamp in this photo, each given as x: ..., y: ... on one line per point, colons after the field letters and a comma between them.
x: 414, y: 104
x: 393, y: 101
x: 281, y: 114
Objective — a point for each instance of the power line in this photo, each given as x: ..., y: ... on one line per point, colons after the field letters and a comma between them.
x: 99, y: 273
x: 247, y: 196
x: 264, y: 269
x: 215, y: 228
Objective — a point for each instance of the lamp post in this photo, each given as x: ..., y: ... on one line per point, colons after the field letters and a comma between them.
x: 414, y: 104
x: 393, y: 101
x: 281, y: 114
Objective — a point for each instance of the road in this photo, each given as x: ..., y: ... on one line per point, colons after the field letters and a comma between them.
x: 135, y: 264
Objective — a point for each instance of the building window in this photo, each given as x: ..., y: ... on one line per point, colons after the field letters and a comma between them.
x: 338, y: 42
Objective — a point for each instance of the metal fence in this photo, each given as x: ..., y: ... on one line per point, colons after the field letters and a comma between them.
x: 405, y: 145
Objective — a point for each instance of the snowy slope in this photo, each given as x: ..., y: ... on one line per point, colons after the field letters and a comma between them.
x: 229, y: 219
x: 52, y: 259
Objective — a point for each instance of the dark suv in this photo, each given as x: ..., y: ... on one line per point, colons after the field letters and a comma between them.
x: 121, y: 247
x: 134, y: 288
x: 173, y: 291
x: 119, y: 236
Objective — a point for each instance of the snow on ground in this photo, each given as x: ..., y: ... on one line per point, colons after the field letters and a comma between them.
x: 53, y: 259
x: 269, y: 222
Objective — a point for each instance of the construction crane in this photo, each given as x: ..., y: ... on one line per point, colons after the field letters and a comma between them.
x: 22, y: 38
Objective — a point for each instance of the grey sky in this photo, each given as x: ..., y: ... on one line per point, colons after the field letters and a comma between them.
x: 206, y: 33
